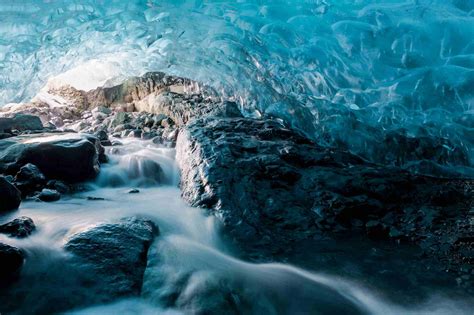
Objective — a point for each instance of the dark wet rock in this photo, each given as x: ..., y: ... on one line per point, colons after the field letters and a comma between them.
x: 19, y: 227
x: 272, y: 187
x: 29, y: 179
x: 148, y: 135
x: 20, y: 122
x: 134, y: 191
x: 59, y: 186
x: 116, y: 253
x: 49, y: 195
x: 68, y: 157
x: 91, y: 198
x: 4, y: 135
x: 102, y: 135
x: 11, y: 259
x: 10, y: 196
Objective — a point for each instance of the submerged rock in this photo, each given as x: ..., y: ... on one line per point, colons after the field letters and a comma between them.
x: 20, y: 227
x: 12, y: 260
x: 115, y: 254
x: 10, y: 196
x: 59, y: 186
x: 271, y: 186
x: 68, y: 157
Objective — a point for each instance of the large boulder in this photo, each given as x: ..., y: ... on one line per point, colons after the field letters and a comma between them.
x: 115, y: 255
x: 10, y: 196
x: 272, y: 187
x: 20, y: 122
x: 12, y: 260
x: 67, y: 157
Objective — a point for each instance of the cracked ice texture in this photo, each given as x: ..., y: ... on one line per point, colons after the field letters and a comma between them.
x: 348, y: 73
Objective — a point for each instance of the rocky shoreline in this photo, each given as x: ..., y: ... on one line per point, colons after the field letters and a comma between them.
x: 270, y: 186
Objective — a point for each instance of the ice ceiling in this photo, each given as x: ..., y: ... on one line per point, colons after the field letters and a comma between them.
x: 348, y: 73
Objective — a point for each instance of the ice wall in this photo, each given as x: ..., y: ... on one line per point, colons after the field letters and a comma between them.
x: 371, y: 76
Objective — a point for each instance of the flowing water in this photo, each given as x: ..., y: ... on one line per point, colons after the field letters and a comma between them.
x: 189, y: 247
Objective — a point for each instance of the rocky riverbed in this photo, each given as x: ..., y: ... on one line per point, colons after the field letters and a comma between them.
x: 272, y: 193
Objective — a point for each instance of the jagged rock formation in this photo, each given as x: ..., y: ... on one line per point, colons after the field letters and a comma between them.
x: 20, y: 227
x: 272, y: 187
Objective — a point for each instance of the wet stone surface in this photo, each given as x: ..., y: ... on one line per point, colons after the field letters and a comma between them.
x: 272, y: 188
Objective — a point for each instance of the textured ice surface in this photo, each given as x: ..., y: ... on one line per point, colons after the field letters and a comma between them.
x: 348, y: 72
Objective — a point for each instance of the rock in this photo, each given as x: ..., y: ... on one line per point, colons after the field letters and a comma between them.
x: 20, y: 122
x: 91, y: 198
x: 102, y: 135
x: 29, y: 179
x: 167, y: 122
x: 10, y: 196
x: 102, y: 109
x: 103, y: 138
x: 272, y: 187
x: 179, y: 109
x: 134, y: 191
x: 59, y: 186
x: 68, y: 157
x: 4, y: 135
x: 20, y: 227
x: 169, y: 137
x: 116, y: 253
x: 12, y: 260
x: 120, y: 119
x: 99, y: 116
x: 138, y: 88
x: 49, y: 195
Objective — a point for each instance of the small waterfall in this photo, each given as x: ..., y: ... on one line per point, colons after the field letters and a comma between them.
x: 138, y: 163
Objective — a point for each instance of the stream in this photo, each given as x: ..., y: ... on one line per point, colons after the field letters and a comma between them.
x: 189, y: 247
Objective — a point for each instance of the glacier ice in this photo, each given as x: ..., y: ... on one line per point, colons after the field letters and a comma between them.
x: 366, y: 75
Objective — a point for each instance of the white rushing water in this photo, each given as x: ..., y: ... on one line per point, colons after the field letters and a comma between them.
x: 189, y: 247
